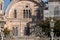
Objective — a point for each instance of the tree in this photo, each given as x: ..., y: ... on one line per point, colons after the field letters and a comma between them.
x: 45, y: 25
x: 6, y: 31
x: 57, y: 28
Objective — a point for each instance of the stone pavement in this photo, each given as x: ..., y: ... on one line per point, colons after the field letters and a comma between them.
x: 31, y: 38
x: 26, y: 38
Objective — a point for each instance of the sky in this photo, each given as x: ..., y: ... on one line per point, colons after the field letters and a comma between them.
x: 45, y: 0
x: 6, y: 2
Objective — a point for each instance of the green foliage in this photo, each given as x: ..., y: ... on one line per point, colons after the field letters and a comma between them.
x: 57, y: 28
x: 46, y: 27
x: 6, y: 31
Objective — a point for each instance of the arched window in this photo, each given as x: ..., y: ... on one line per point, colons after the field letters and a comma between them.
x: 15, y: 13
x: 26, y: 13
x: 15, y: 31
x: 23, y: 13
x: 29, y: 14
x: 27, y: 31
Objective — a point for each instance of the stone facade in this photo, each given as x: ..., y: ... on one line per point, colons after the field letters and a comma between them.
x: 20, y: 21
x: 19, y: 14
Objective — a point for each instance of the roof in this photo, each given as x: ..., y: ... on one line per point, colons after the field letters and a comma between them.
x: 54, y: 0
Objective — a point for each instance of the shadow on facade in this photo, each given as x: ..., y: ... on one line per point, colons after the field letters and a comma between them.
x: 30, y: 28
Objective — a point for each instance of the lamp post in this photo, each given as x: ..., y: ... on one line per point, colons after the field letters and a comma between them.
x: 52, y: 26
x: 32, y: 26
x: 2, y: 23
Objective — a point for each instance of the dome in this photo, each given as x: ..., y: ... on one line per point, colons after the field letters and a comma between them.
x: 15, y: 1
x: 20, y: 5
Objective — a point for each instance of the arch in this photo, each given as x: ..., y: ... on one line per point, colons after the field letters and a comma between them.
x: 12, y: 3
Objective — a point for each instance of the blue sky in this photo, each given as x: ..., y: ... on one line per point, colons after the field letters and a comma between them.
x: 6, y: 2
x: 45, y: 0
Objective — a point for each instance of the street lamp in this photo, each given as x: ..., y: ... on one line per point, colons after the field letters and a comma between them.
x: 2, y: 23
x: 52, y: 26
x: 32, y: 26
